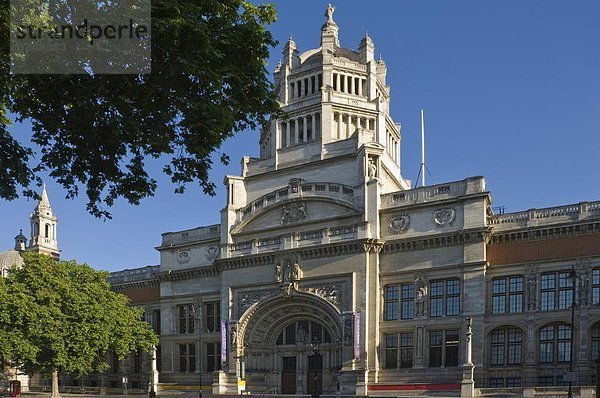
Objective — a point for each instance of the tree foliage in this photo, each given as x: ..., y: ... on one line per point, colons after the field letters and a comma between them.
x: 63, y: 316
x: 98, y: 131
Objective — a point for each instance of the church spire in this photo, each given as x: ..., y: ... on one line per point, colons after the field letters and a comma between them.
x: 43, y: 228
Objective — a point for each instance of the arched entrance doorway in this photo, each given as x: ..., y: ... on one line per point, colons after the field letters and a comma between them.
x: 276, y: 336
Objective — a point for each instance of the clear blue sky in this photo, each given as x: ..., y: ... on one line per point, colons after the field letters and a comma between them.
x: 511, y: 91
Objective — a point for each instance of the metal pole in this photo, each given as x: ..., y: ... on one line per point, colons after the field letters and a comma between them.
x: 573, y: 278
x: 422, y: 148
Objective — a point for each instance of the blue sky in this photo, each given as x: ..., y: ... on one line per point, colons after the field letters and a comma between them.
x: 511, y: 91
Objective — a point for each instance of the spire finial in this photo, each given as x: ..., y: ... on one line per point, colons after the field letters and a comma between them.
x: 291, y: 38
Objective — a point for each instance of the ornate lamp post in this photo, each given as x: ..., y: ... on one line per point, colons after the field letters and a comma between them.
x: 315, y: 345
x: 197, y: 312
x: 573, y: 279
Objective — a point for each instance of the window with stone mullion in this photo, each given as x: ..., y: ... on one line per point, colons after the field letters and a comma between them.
x: 408, y: 301
x: 555, y: 344
x: 507, y: 294
x: 444, y: 298
x: 556, y: 291
x: 186, y: 319
x: 391, y: 303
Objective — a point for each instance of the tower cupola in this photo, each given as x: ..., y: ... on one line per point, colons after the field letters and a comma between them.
x: 43, y: 228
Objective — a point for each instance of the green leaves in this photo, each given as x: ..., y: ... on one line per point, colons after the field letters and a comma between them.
x: 63, y: 315
x: 208, y: 82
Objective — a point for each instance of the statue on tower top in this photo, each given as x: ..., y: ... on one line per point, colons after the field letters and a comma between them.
x: 329, y: 14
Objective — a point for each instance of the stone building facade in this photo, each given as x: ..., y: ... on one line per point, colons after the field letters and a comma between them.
x: 322, y: 240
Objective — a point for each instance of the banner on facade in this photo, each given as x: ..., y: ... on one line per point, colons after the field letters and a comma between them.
x: 224, y: 342
x: 357, y: 335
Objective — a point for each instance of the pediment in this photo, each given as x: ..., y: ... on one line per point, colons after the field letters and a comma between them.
x: 295, y: 212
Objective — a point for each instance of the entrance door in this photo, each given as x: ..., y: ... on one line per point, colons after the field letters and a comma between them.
x: 315, y: 374
x: 288, y: 375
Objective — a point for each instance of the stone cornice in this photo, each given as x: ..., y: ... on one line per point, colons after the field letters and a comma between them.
x: 189, y: 273
x: 438, y: 240
x: 527, y: 234
x: 121, y: 287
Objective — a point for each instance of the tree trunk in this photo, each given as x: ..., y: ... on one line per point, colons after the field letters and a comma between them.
x: 55, y: 393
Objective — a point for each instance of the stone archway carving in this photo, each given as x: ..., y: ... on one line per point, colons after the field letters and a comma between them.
x: 259, y: 324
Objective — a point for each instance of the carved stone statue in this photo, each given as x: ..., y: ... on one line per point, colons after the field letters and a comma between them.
x: 531, y: 292
x: 278, y: 276
x: 329, y: 14
x: 372, y: 168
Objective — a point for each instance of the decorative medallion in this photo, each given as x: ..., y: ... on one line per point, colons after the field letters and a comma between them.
x: 183, y: 256
x: 294, y: 212
x: 400, y: 223
x: 443, y: 217
x: 212, y: 252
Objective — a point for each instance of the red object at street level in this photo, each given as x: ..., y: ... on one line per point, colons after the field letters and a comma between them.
x: 14, y: 388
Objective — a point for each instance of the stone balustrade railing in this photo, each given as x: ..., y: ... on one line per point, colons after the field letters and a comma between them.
x: 316, y: 189
x: 191, y: 235
x: 296, y: 239
x: 572, y: 212
x: 467, y: 186
x: 132, y: 275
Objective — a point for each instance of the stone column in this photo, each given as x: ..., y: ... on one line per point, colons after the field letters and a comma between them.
x: 296, y: 131
x: 339, y: 135
x: 337, y: 82
x: 360, y: 86
x: 467, y: 386
x: 287, y: 134
x: 304, y: 129
x: 349, y: 126
x: 314, y: 126
x: 300, y: 88
x: 351, y: 85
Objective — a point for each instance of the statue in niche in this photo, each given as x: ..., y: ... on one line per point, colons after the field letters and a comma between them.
x: 278, y: 270
x: 302, y: 334
x: 296, y: 272
x: 531, y: 287
x: 420, y: 291
x: 372, y: 167
x: 584, y: 281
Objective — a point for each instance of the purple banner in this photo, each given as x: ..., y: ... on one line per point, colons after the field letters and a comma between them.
x: 357, y: 335
x: 223, y: 342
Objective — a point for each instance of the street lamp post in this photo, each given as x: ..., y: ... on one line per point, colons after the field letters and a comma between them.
x: 315, y: 345
x: 573, y: 279
x: 197, y: 311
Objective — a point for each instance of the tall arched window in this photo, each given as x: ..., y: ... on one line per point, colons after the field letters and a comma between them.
x: 555, y: 343
x: 506, y: 346
x: 47, y: 231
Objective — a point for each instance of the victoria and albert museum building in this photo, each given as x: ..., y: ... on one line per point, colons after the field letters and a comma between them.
x: 328, y: 272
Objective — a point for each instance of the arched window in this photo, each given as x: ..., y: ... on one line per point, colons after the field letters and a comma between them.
x: 506, y: 346
x: 47, y: 231
x: 303, y: 332
x: 555, y: 343
x: 595, y: 348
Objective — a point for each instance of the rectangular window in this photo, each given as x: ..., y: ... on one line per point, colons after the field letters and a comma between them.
x: 556, y: 291
x: 507, y: 294
x: 443, y: 348
x: 156, y: 321
x: 391, y: 303
x: 596, y: 286
x: 513, y: 382
x: 186, y: 319
x: 213, y: 357
x: 406, y: 350
x: 444, y: 298
x: 187, y: 358
x: 213, y: 316
x: 408, y: 301
x: 391, y: 351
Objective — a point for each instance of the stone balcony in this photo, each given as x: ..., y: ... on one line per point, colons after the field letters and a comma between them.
x: 543, y: 217
x: 432, y: 193
x: 208, y: 232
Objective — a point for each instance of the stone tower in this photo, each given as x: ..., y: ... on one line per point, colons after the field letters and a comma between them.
x: 43, y: 228
x: 336, y: 100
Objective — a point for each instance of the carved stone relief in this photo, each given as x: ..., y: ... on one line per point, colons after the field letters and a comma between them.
x: 531, y: 271
x: 444, y: 217
x: 400, y: 223
x: 294, y: 212
x: 212, y: 252
x: 183, y: 256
